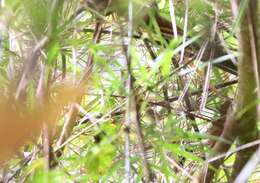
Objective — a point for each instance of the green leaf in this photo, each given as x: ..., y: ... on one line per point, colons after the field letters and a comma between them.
x: 177, y: 149
x: 53, y: 52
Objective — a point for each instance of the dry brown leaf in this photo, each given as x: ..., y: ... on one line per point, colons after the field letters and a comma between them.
x: 21, y: 122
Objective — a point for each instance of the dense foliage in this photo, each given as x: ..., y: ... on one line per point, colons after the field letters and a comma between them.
x: 129, y: 91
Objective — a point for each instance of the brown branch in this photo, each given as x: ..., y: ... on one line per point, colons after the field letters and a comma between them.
x: 29, y: 67
x: 218, y: 124
x: 243, y: 126
x: 229, y: 133
x: 134, y: 117
x: 42, y: 99
x: 198, y: 92
x: 248, y: 92
x: 133, y: 106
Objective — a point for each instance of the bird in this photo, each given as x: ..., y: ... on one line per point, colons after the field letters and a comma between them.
x: 145, y: 12
x: 99, y: 5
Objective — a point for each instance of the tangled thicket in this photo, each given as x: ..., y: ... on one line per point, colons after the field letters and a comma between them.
x: 129, y: 91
